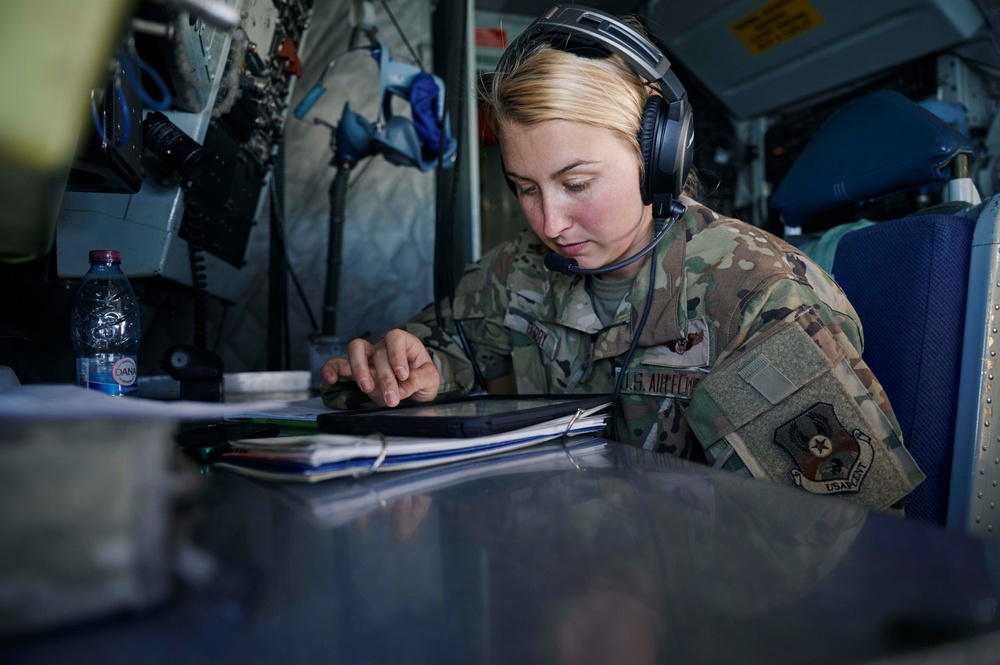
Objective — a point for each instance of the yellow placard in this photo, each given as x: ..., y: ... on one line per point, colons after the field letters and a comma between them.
x: 775, y: 23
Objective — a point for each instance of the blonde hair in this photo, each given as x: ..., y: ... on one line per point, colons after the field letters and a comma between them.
x: 545, y: 83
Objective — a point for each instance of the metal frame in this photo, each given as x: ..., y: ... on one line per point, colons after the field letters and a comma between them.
x: 974, y: 490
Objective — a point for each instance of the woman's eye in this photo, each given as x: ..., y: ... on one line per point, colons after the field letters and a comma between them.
x: 576, y: 186
x: 526, y: 190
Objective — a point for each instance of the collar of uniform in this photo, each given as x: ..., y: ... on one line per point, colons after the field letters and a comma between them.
x: 545, y: 296
x: 667, y: 319
x: 567, y: 303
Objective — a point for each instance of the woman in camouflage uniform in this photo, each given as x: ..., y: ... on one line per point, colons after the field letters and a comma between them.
x: 746, y: 354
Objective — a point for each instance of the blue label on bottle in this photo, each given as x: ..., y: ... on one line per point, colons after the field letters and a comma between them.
x: 111, y: 375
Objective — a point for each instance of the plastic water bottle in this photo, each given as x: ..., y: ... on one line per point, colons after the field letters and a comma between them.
x: 105, y: 327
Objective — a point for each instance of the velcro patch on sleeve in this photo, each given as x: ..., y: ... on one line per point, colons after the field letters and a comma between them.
x: 767, y: 379
x: 768, y: 370
x: 796, y: 416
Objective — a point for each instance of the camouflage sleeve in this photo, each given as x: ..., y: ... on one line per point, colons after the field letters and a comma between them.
x: 791, y: 400
x: 480, y: 301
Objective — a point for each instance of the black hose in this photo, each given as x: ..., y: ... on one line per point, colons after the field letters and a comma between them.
x: 338, y: 196
x: 193, y: 220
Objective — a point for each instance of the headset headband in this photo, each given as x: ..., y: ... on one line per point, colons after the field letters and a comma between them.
x: 607, y: 32
x: 666, y: 130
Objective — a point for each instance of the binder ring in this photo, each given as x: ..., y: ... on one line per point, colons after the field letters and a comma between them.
x: 378, y: 460
x: 569, y: 428
x: 576, y: 416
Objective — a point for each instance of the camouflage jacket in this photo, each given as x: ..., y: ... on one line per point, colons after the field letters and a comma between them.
x: 750, y: 358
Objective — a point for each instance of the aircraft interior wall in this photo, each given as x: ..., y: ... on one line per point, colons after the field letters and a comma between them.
x: 255, y: 318
x: 237, y: 105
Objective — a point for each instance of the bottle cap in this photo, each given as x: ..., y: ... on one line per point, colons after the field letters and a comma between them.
x: 105, y: 256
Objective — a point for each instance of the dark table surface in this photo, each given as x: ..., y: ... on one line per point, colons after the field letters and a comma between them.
x: 586, y: 553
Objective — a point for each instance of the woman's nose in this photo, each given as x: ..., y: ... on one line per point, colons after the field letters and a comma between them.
x: 555, y: 219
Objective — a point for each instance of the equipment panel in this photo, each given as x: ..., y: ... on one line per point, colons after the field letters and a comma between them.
x: 206, y: 89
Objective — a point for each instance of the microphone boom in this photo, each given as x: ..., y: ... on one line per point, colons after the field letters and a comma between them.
x: 558, y: 263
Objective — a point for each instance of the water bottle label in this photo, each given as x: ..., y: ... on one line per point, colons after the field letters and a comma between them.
x: 111, y: 377
x: 123, y: 372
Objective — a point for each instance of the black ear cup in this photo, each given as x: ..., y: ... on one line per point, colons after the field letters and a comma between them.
x: 666, y: 135
x: 678, y: 145
x: 647, y: 144
x: 666, y: 138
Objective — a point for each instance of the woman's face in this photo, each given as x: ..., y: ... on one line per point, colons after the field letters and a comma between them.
x: 579, y: 188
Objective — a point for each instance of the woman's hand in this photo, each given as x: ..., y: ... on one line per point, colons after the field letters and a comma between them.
x: 397, y: 368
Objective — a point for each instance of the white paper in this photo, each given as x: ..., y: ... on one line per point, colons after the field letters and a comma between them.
x: 318, y: 449
x: 47, y: 402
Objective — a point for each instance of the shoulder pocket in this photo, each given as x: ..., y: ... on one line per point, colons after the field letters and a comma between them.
x: 792, y: 410
x: 765, y: 372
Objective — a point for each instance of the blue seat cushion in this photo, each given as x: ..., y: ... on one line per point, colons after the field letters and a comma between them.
x: 908, y: 280
x: 876, y: 145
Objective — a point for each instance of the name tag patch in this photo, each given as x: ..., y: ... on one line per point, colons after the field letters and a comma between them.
x: 650, y: 381
x: 523, y: 322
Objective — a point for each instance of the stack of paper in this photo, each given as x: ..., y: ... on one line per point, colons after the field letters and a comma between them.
x: 332, y: 504
x: 322, y: 456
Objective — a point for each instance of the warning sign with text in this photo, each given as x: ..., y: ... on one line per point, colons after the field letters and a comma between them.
x: 775, y: 23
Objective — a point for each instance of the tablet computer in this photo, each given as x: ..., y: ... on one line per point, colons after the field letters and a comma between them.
x: 475, y: 415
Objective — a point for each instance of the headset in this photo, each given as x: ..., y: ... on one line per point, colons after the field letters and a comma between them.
x: 666, y: 134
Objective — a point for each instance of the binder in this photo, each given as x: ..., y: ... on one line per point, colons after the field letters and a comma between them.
x: 469, y: 416
x: 319, y: 457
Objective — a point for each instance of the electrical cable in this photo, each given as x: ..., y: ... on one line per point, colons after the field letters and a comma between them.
x: 443, y: 277
x: 450, y: 285
x: 279, y: 284
x: 317, y: 91
x: 413, y: 54
x: 194, y: 222
x: 558, y: 263
x: 635, y: 339
x: 126, y: 120
x: 165, y: 100
x: 219, y: 328
x: 280, y: 218
x: 335, y: 249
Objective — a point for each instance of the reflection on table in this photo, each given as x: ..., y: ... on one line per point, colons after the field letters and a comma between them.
x: 577, y: 552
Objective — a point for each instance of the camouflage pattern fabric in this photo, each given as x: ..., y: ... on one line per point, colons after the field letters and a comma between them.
x: 721, y: 371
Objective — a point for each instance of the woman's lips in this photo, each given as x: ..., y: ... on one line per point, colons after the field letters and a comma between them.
x: 572, y: 248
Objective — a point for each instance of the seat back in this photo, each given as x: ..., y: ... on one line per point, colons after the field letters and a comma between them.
x: 873, y: 146
x: 927, y: 290
x: 908, y: 281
